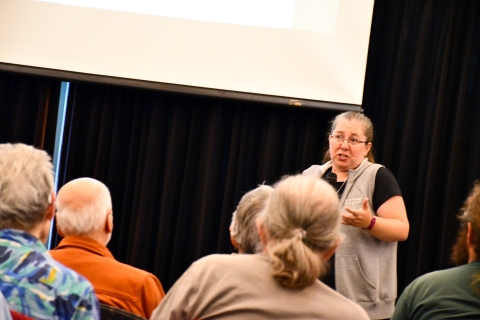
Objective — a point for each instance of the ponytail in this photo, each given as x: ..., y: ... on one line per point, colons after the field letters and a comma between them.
x: 294, y: 265
x: 301, y: 221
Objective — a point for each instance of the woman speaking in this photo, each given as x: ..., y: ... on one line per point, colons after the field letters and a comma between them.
x: 373, y: 216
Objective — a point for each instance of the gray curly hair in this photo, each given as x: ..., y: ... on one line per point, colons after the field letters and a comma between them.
x: 26, y: 184
x: 243, y: 228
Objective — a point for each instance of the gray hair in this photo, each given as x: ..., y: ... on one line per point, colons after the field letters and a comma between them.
x: 302, y: 221
x: 83, y: 208
x: 243, y: 228
x: 26, y: 184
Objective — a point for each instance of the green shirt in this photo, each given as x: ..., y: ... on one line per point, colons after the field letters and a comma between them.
x: 445, y: 294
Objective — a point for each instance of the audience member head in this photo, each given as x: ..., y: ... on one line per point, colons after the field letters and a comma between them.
x: 243, y: 230
x: 300, y: 229
x: 467, y: 246
x: 26, y: 189
x: 84, y: 208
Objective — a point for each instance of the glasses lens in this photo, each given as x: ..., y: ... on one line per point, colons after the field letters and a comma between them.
x: 337, y: 138
x: 340, y: 139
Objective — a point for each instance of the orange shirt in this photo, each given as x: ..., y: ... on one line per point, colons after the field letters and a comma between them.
x: 115, y: 283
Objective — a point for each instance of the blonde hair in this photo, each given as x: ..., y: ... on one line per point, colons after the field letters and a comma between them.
x: 243, y: 228
x: 367, y: 123
x: 302, y: 221
x: 26, y: 184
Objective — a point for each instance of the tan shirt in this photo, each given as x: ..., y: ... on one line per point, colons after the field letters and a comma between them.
x: 241, y: 287
x: 115, y: 283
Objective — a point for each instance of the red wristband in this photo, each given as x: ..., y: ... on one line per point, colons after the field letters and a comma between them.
x: 372, y: 223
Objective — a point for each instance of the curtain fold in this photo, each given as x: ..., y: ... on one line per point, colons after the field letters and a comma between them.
x: 28, y: 110
x: 177, y: 165
x: 423, y: 98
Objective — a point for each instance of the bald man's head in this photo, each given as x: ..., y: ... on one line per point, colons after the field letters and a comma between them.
x: 83, y: 206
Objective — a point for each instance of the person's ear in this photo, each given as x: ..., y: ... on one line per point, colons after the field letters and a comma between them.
x: 235, y: 244
x: 261, y: 230
x: 60, y: 232
x: 330, y: 251
x: 109, y: 222
x: 50, y: 211
x: 369, y: 146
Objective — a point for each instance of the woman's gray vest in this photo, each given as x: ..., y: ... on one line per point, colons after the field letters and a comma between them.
x: 365, y: 267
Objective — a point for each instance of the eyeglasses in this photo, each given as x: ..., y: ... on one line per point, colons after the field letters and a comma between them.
x: 339, y: 139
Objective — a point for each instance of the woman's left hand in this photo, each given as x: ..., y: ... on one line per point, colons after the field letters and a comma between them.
x: 391, y: 222
x: 359, y: 218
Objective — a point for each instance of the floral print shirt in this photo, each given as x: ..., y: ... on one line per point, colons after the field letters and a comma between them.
x: 37, y: 286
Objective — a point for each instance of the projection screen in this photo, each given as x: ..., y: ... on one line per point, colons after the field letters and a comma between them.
x: 299, y: 52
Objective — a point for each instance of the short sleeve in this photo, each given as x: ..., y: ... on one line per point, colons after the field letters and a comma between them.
x: 386, y: 187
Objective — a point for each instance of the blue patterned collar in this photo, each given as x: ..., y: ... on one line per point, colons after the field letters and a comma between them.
x: 23, y: 238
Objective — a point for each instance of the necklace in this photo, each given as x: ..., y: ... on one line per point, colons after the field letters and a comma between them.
x: 341, y: 186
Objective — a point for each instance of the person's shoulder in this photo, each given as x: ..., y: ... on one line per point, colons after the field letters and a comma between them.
x: 227, y: 262
x: 130, y: 274
x: 433, y: 284
x: 440, y: 277
x: 67, y: 278
x: 385, y: 179
x: 433, y: 281
x: 68, y: 284
x: 52, y: 282
x: 384, y: 175
x: 371, y: 166
x: 382, y: 170
x: 314, y: 170
x: 129, y: 269
x: 226, y: 259
x: 57, y: 273
x: 317, y: 170
x: 343, y: 305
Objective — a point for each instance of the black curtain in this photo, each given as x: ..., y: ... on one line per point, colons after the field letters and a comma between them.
x: 422, y: 92
x: 28, y: 110
x: 177, y: 165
